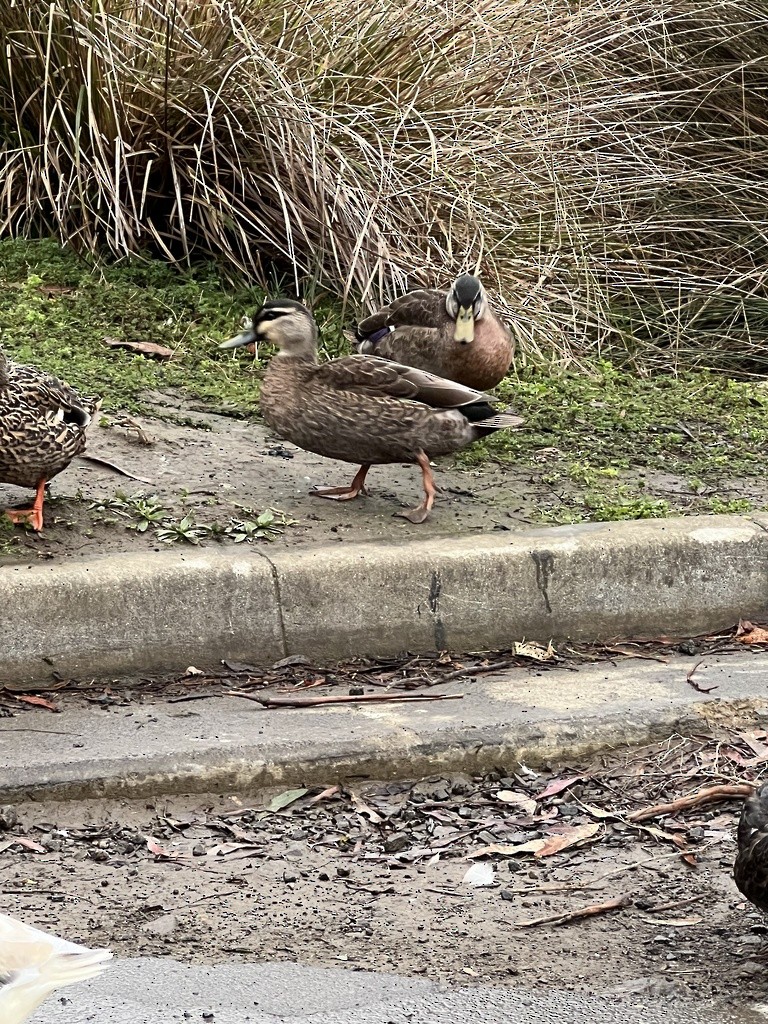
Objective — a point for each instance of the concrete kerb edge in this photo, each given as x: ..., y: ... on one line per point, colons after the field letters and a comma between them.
x: 127, y: 613
x: 254, y: 770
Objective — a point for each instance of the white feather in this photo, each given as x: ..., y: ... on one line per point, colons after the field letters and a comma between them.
x: 33, y: 964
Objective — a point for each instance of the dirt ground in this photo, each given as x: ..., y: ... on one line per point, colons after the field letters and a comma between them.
x: 372, y: 876
x: 214, y: 466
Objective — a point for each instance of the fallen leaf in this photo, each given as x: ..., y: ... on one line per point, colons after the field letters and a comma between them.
x: 238, y: 667
x: 480, y: 874
x: 327, y: 794
x: 290, y: 796
x: 159, y: 851
x: 525, y: 803
x: 756, y: 635
x: 598, y: 812
x: 534, y: 651
x: 28, y: 844
x: 144, y: 348
x: 557, y: 786
x: 364, y: 810
x: 556, y: 843
x: 532, y: 846
x: 39, y: 702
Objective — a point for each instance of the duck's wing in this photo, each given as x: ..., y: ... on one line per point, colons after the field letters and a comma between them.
x: 423, y: 308
x: 34, y: 388
x: 376, y: 376
x: 33, y: 964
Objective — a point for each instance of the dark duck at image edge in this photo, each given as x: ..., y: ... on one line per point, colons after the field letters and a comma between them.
x: 750, y: 870
x: 43, y: 424
x: 361, y: 408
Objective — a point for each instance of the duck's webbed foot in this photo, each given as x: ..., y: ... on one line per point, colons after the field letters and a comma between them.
x: 344, y: 493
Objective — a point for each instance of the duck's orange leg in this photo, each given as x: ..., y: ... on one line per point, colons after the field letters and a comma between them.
x: 31, y: 516
x: 419, y: 514
x: 344, y: 493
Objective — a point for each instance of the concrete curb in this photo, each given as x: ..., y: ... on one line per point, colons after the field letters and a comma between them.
x: 229, y: 745
x: 158, y: 613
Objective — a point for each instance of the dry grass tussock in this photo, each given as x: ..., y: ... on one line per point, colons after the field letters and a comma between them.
x: 605, y: 162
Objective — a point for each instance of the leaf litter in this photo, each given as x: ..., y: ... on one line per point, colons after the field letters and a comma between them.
x: 425, y: 876
x: 365, y: 677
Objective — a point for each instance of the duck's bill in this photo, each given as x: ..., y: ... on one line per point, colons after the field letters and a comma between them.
x: 465, y: 325
x: 246, y: 338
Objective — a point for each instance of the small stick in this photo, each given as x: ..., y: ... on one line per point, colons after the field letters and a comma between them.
x: 674, y: 905
x: 636, y: 654
x: 711, y: 795
x: 311, y: 702
x: 495, y: 666
x: 691, y: 681
x: 576, y: 915
x: 118, y: 469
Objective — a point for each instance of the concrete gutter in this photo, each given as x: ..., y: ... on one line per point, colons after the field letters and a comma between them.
x: 231, y: 745
x: 162, y: 612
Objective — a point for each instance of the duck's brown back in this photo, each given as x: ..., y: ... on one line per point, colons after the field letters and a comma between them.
x: 354, y: 425
x: 35, y: 443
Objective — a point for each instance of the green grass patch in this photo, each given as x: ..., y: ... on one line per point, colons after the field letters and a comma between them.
x: 56, y: 310
x: 590, y: 427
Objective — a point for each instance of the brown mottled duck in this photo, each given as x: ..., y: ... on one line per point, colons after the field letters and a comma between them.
x: 42, y: 428
x: 455, y: 334
x: 750, y: 871
x: 360, y: 408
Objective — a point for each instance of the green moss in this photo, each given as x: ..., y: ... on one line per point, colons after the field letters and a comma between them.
x: 608, y: 420
x: 56, y: 311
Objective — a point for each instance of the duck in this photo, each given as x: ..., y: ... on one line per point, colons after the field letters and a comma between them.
x: 42, y: 428
x: 360, y: 408
x: 750, y: 870
x: 454, y: 334
x: 34, y: 964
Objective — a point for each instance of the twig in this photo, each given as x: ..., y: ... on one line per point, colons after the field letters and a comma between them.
x: 662, y: 908
x: 48, y: 732
x: 447, y: 892
x: 576, y: 915
x: 118, y: 469
x: 212, y: 896
x: 711, y: 795
x: 495, y: 666
x: 311, y: 702
x: 636, y: 654
x: 691, y: 681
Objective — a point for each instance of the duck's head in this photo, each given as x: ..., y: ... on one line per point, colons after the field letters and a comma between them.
x: 465, y: 303
x: 286, y: 324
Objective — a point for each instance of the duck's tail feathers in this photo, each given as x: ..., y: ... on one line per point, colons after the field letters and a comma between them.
x: 499, y: 421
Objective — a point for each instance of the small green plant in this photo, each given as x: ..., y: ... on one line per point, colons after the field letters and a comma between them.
x: 139, y: 510
x: 266, y: 525
x: 185, y: 529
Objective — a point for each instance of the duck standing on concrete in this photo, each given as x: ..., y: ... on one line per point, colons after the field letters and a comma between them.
x: 361, y: 408
x: 42, y: 428
x: 33, y: 964
x: 750, y: 871
x: 455, y: 334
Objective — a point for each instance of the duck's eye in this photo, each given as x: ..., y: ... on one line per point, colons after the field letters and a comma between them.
x: 271, y: 314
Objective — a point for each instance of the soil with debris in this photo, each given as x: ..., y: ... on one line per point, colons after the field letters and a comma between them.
x: 454, y: 878
x: 224, y: 470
